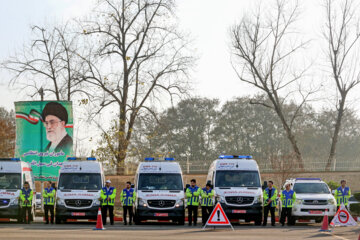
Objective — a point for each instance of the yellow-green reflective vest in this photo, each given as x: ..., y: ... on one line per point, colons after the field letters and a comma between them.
x: 26, y: 195
x: 192, y: 195
x: 49, y: 196
x: 270, y: 194
x: 108, y: 193
x: 207, y: 197
x: 342, y: 196
x: 127, y: 197
x: 288, y: 198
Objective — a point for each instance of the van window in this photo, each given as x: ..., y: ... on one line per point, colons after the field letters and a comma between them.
x: 80, y: 181
x: 237, y: 179
x: 160, y: 181
x: 10, y: 181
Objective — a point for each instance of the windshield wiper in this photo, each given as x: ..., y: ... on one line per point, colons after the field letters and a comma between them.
x: 225, y: 187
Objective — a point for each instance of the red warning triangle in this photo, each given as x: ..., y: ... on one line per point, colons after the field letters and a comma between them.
x: 218, y: 217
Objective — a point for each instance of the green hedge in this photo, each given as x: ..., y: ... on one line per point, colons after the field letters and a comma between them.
x: 355, y: 209
x: 357, y: 196
x: 333, y: 185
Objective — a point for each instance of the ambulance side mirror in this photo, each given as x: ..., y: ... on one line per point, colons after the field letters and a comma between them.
x: 186, y: 187
x: 132, y: 185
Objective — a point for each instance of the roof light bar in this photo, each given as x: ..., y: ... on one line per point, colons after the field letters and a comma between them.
x: 235, y: 157
x: 149, y: 159
x: 308, y: 179
x: 10, y: 159
x: 169, y: 159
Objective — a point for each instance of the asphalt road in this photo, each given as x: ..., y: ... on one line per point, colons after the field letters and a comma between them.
x: 168, y: 231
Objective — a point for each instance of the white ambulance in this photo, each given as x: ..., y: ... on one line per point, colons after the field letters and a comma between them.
x: 13, y: 174
x: 159, y: 191
x: 313, y: 197
x: 79, y: 185
x: 237, y: 185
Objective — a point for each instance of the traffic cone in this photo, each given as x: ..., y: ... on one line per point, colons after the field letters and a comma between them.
x: 99, y: 223
x: 325, y: 223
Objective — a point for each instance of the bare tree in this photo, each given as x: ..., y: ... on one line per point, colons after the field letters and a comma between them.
x: 140, y: 57
x: 342, y: 34
x: 263, y: 51
x: 50, y: 63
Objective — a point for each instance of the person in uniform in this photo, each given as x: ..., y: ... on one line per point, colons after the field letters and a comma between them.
x: 107, y: 196
x: 127, y: 198
x: 26, y: 196
x: 207, y: 202
x: 342, y: 194
x: 49, y: 200
x: 270, y: 194
x: 288, y: 197
x: 192, y: 195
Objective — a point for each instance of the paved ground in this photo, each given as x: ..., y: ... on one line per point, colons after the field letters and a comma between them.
x: 168, y: 231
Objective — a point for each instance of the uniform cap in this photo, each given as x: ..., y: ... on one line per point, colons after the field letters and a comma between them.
x: 108, y: 181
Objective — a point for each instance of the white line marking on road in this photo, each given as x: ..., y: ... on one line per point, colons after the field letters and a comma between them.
x: 339, y: 237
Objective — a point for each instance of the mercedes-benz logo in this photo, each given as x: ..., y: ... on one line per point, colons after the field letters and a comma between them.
x: 315, y: 201
x: 239, y: 199
x: 161, y: 203
x: 78, y: 203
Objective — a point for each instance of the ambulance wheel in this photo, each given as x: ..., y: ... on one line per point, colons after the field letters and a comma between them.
x: 258, y: 220
x: 292, y: 221
x: 181, y: 221
x: 318, y: 220
x: 137, y: 220
x: 57, y: 220
x: 330, y: 219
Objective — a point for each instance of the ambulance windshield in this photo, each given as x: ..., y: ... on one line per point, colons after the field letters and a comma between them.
x: 160, y: 181
x: 80, y: 181
x: 10, y: 181
x: 237, y: 179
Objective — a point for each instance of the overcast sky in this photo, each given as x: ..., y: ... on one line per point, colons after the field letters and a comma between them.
x: 207, y: 21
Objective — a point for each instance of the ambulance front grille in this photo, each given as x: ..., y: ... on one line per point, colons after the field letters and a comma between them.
x: 4, y: 202
x: 161, y: 203
x: 239, y: 200
x: 78, y: 202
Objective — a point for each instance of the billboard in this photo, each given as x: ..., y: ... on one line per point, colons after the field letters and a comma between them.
x: 44, y: 136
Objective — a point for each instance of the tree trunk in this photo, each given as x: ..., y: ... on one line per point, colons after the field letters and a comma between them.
x: 289, y: 133
x: 336, y: 133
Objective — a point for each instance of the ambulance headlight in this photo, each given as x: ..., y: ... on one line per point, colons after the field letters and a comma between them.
x: 142, y: 202
x: 298, y: 201
x: 258, y: 199
x: 331, y: 201
x: 60, y: 201
x: 14, y: 201
x: 220, y: 198
x: 96, y: 202
x: 179, y: 203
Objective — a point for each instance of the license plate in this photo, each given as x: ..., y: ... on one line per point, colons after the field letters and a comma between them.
x: 161, y: 214
x: 315, y: 212
x: 78, y: 214
x: 238, y: 211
